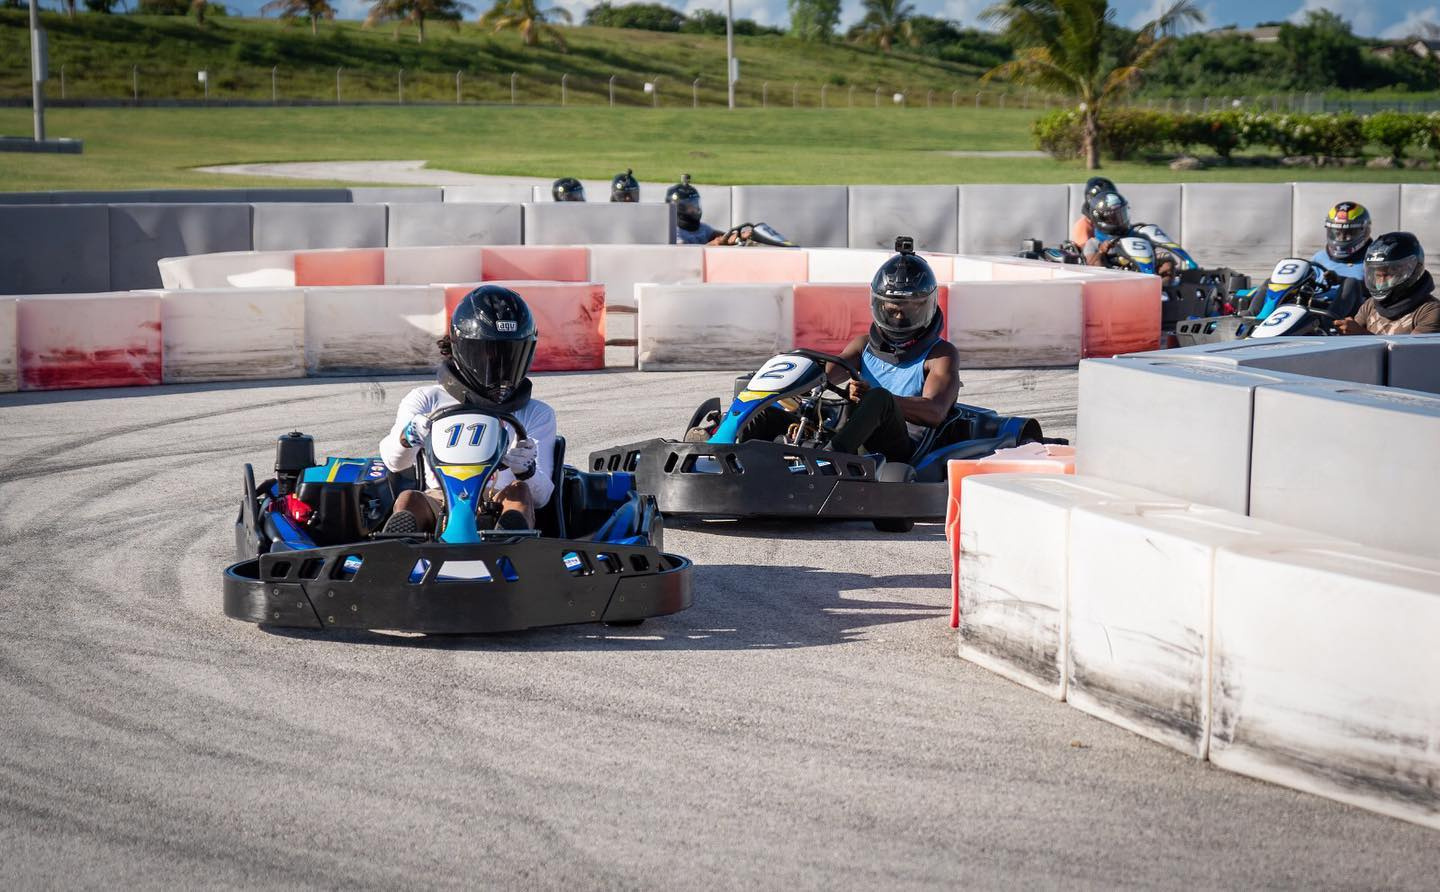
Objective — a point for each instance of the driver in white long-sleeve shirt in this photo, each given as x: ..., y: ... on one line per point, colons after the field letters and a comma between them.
x: 487, y: 350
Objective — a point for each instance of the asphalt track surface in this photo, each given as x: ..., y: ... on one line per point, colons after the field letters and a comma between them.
x: 805, y: 724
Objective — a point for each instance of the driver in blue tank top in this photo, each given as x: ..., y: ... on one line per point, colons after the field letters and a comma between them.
x: 908, y: 370
x: 487, y: 350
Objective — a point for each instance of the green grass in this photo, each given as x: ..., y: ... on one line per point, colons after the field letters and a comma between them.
x: 98, y: 53
x: 157, y: 148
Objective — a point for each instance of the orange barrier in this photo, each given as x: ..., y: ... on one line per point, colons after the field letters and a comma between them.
x: 827, y: 317
x: 531, y: 263
x: 354, y: 266
x: 90, y: 340
x: 745, y: 265
x: 1122, y: 315
x: 1032, y: 458
x: 570, y: 317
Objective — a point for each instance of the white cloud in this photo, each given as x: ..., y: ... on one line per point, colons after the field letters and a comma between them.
x: 765, y: 12
x: 966, y: 12
x: 1150, y: 10
x: 1413, y: 22
x: 1361, y: 17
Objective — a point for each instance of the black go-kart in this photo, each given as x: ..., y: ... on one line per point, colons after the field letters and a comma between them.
x: 312, y: 553
x: 734, y: 474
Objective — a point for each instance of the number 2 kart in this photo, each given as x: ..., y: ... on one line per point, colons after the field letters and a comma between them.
x: 312, y: 554
x: 737, y: 474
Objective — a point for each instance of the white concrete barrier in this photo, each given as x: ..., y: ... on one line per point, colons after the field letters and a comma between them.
x: 1013, y: 583
x: 234, y: 269
x: 930, y: 214
x: 1004, y: 324
x: 218, y: 335
x: 737, y: 326
x: 9, y: 346
x: 1313, y: 202
x: 1158, y: 203
x: 1249, y: 224
x: 1348, y: 460
x: 622, y: 267
x: 1340, y: 359
x: 1325, y: 671
x: 1176, y: 427
x: 1140, y: 612
x: 429, y: 266
x: 813, y: 216
x: 456, y: 223
x: 1414, y: 362
x: 488, y: 193
x: 590, y: 223
x: 996, y: 219
x: 373, y: 330
x: 845, y: 265
x: 1420, y: 211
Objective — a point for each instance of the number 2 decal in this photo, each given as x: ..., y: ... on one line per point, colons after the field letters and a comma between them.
x: 776, y: 370
x: 477, y: 430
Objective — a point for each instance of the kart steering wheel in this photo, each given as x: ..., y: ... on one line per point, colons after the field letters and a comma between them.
x: 841, y: 361
x: 520, y: 432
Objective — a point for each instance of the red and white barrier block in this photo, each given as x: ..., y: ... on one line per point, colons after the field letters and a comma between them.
x: 221, y: 335
x: 384, y: 330
x: 9, y: 346
x: 89, y: 340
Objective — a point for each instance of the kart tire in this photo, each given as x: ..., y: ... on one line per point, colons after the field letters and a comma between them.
x: 894, y: 472
x: 710, y: 405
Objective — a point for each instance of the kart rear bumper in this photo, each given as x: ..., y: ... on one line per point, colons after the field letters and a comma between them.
x: 759, y: 479
x: 532, y: 583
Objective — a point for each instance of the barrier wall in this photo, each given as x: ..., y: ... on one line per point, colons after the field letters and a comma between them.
x: 210, y: 335
x: 89, y: 340
x: 1249, y: 224
x: 879, y: 213
x: 814, y: 216
x: 847, y: 264
x: 1413, y: 362
x: 524, y: 263
x: 1420, y: 211
x: 420, y: 225
x: 616, y: 223
x: 9, y: 346
x: 424, y: 266
x: 1007, y: 324
x: 372, y: 330
x: 689, y: 327
x: 242, y: 269
x: 280, y: 227
x: 1122, y: 314
x: 141, y: 234
x: 1158, y: 203
x: 998, y: 219
x: 622, y: 267
x: 54, y: 249
x: 828, y: 317
x: 364, y: 266
x: 505, y: 193
x: 738, y: 265
x: 1313, y: 201
x: 1342, y: 359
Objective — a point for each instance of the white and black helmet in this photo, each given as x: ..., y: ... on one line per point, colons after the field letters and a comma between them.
x: 903, y: 294
x: 1393, y: 263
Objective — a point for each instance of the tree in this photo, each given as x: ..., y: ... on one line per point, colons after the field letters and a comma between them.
x: 884, y: 22
x: 1323, y: 52
x: 814, y: 19
x: 1067, y: 46
x: 640, y: 16
x: 528, y: 18
x: 293, y: 10
x: 416, y: 12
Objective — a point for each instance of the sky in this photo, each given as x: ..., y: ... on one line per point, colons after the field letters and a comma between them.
x: 1371, y: 18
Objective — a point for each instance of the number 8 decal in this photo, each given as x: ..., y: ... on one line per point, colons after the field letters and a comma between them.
x: 1288, y: 269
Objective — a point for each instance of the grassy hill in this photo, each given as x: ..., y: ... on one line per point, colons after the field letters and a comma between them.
x: 98, y: 53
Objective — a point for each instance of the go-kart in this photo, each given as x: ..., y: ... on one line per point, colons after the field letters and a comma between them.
x: 313, y: 554
x: 1299, y: 298
x: 736, y: 473
x: 747, y: 234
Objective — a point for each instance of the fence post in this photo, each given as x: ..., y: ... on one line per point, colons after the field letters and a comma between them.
x: 1002, y: 100
x: 274, y: 89
x: 513, y: 76
x: 135, y: 82
x: 564, y: 78
x: 852, y: 95
x: 765, y: 94
x: 695, y: 93
x: 954, y: 97
x: 655, y: 92
x: 929, y: 97
x: 823, y: 87
x: 457, y: 88
x: 337, y: 85
x: 400, y: 87
x: 795, y: 95
x: 612, y: 91
x: 62, y: 81
x: 977, y: 98
x: 877, y: 96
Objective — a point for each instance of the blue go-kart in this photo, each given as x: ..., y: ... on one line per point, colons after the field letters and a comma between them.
x: 739, y: 474
x: 312, y: 553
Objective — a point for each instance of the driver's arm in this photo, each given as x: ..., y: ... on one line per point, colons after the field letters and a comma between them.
x: 942, y: 386
x: 396, y: 455
x: 836, y: 372
x: 540, y: 426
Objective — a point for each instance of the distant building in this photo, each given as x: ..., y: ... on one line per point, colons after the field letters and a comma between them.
x: 1423, y: 47
x: 1264, y: 34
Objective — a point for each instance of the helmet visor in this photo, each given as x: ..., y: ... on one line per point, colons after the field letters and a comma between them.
x: 1384, y: 276
x: 902, y: 317
x: 687, y: 212
x: 1112, y: 216
x: 1345, y: 238
x: 492, y: 368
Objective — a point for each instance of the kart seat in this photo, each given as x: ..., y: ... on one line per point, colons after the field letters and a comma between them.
x: 550, y: 517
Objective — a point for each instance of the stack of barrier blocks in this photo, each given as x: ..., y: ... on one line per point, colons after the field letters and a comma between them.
x: 1244, y: 568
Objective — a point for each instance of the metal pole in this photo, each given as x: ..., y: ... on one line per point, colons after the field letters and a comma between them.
x: 765, y: 95
x: 400, y: 87
x: 852, y: 96
x: 795, y: 95
x: 822, y: 94
x: 954, y: 98
x: 563, y: 79
x: 877, y: 97
x: 695, y: 93
x: 274, y: 89
x: 206, y: 82
x: 62, y: 81
x: 513, y: 75
x: 37, y: 92
x: 612, y: 91
x: 457, y: 88
x: 929, y: 98
x: 337, y: 85
x: 135, y: 82
x: 977, y: 98
x: 655, y: 92
x: 729, y: 47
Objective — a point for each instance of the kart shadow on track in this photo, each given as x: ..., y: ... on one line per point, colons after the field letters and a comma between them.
x: 741, y: 607
x: 843, y: 530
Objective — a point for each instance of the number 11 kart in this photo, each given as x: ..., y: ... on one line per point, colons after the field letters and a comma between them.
x: 312, y: 554
x: 740, y: 473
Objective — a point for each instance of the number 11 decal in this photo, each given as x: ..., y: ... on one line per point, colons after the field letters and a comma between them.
x: 477, y: 430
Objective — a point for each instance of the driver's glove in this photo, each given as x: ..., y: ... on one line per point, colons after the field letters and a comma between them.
x: 520, y: 458
x: 416, y: 432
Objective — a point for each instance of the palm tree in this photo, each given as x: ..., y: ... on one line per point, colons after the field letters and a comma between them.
x: 529, y: 18
x: 416, y: 12
x: 291, y: 10
x: 1062, y: 46
x: 885, y: 22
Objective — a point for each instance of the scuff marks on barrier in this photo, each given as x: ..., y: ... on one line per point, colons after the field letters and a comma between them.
x: 68, y: 369
x: 1148, y: 685
x: 1014, y: 636
x: 236, y: 365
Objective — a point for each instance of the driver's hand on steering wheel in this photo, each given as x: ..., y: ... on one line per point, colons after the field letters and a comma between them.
x: 1351, y: 327
x: 857, y: 390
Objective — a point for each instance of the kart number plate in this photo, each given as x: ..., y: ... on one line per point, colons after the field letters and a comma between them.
x: 1155, y: 234
x: 467, y: 438
x: 1288, y: 272
x: 1281, y: 320
x: 1138, y: 248
x: 780, y: 373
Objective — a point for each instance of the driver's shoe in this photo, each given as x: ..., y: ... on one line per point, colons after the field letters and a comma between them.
x: 512, y: 520
x: 401, y: 522
x: 702, y: 431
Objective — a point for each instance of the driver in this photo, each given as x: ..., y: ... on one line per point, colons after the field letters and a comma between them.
x: 487, y: 353
x: 907, y: 368
x: 1401, y: 292
x: 567, y: 189
x: 624, y: 187
x: 1110, y: 214
x: 1083, y: 229
x: 689, y: 230
x: 1347, y: 237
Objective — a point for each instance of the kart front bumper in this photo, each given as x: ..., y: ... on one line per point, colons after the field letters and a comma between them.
x: 526, y: 583
x: 760, y: 479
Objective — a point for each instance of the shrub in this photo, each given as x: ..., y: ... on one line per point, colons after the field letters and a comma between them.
x: 1395, y: 131
x: 1126, y: 132
x: 1058, y: 133
x: 1220, y: 131
x: 639, y: 16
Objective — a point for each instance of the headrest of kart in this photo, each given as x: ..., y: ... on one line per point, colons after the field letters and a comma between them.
x: 450, y: 380
x: 906, y: 351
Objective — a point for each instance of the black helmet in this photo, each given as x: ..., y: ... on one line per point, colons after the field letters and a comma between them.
x: 567, y: 189
x: 686, y: 199
x: 1110, y: 213
x: 902, y: 294
x: 492, y: 340
x: 624, y: 186
x: 1093, y: 187
x: 1393, y: 263
x: 1347, y: 231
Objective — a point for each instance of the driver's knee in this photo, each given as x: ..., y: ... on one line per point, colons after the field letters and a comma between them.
x: 415, y: 502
